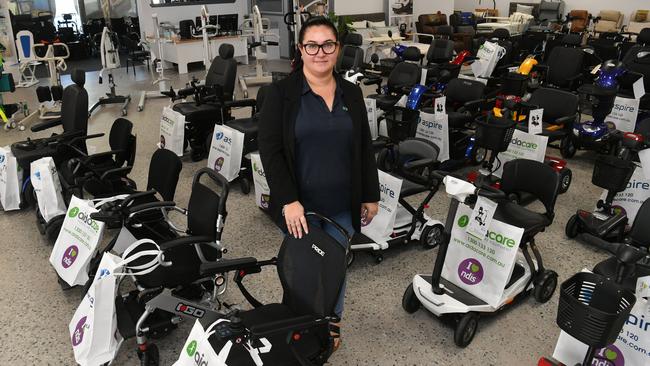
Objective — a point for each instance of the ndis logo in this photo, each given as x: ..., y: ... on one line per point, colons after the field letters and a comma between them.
x: 75, y: 212
x: 199, y: 358
x: 69, y: 256
x: 608, y: 356
x: 470, y: 271
x: 78, y: 334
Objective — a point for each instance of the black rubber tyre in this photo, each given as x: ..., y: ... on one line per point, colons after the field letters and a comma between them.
x: 466, y: 329
x: 566, y: 177
x: 245, y: 185
x: 151, y: 357
x: 572, y: 227
x: 208, y: 142
x: 431, y: 236
x: 386, y: 160
x: 478, y: 155
x: 545, y: 287
x: 410, y: 302
x: 379, y: 258
x: 53, y: 229
x: 350, y: 258
x: 29, y: 196
x: 568, y: 147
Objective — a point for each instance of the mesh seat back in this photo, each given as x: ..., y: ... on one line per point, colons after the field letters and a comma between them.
x: 164, y: 169
x: 312, y: 271
x: 517, y: 177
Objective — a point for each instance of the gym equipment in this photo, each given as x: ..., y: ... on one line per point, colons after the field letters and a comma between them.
x: 176, y: 289
x: 110, y: 60
x: 7, y: 110
x: 49, y: 97
x: 258, y: 25
x: 27, y: 59
x: 439, y: 296
x: 294, y: 20
x: 297, y: 330
x: 159, y: 65
x: 409, y: 159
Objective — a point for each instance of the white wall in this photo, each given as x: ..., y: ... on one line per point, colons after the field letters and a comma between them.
x: 174, y: 14
x: 343, y: 7
x: 627, y: 7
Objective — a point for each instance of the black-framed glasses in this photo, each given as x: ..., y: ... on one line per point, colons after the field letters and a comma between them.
x: 312, y: 49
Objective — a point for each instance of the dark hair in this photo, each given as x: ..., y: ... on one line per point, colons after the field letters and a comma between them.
x: 316, y: 21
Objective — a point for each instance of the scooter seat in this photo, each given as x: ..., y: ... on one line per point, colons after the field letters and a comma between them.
x: 410, y: 188
x: 385, y: 101
x: 607, y: 268
x: 459, y: 119
x: 247, y: 126
x: 198, y: 113
x: 516, y: 215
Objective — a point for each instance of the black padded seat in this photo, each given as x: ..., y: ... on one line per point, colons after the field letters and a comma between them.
x: 248, y: 126
x: 516, y: 215
x: 385, y: 101
x: 198, y: 113
x: 607, y: 268
x: 459, y: 119
x: 409, y: 188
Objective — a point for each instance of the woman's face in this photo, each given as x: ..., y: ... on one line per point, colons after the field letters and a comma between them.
x: 317, y: 60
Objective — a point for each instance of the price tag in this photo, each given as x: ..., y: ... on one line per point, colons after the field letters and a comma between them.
x: 639, y: 88
x: 535, y: 126
x: 481, y: 217
x: 440, y: 106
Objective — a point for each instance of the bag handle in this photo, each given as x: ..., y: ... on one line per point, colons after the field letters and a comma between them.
x: 144, y: 268
x: 98, y: 202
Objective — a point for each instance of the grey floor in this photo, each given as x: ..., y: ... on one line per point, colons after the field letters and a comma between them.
x: 376, y: 331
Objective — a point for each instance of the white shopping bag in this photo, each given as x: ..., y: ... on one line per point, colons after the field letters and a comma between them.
x: 631, y: 348
x: 523, y: 146
x: 262, y: 190
x: 435, y: 128
x: 481, y: 266
x: 93, y: 328
x: 172, y: 131
x: 488, y: 56
x: 624, y: 114
x: 10, y: 180
x: 45, y: 180
x: 226, y: 151
x: 636, y: 192
x: 382, y: 224
x: 77, y: 242
x: 371, y: 108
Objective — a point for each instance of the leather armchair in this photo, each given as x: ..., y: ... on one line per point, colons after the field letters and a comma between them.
x: 428, y: 24
x: 610, y: 21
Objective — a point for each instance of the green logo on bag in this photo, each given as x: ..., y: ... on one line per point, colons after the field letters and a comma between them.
x: 73, y: 212
x: 463, y: 221
x: 191, y: 348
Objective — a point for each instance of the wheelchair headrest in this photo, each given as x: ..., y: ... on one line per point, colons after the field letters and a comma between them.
x: 644, y: 36
x: 226, y: 51
x: 354, y: 39
x: 412, y: 54
x: 444, y: 30
x: 572, y: 39
x: 78, y: 76
x: 501, y: 33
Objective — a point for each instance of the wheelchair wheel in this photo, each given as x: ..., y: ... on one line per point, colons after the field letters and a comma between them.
x: 350, y: 258
x: 150, y: 357
x: 566, y: 176
x: 245, y: 185
x: 545, y: 287
x: 410, y: 302
x: 572, y: 227
x: 29, y: 196
x: 431, y: 236
x: 53, y: 229
x: 466, y: 329
x: 568, y: 147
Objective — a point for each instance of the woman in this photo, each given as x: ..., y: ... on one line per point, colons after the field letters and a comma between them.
x: 315, y: 145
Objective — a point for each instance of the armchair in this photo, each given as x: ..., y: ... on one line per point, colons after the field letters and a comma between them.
x: 610, y: 21
x: 428, y: 24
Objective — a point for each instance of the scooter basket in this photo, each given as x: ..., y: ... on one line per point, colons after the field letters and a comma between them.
x: 514, y: 84
x: 494, y: 134
x: 612, y: 173
x: 592, y: 308
x: 401, y: 123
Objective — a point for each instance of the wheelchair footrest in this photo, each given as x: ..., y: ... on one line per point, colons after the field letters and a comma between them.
x: 129, y: 310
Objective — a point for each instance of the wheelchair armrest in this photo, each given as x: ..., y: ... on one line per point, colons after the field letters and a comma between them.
x: 372, y: 81
x: 150, y: 206
x: 87, y: 137
x: 472, y: 104
x: 132, y: 197
x: 240, y: 103
x: 420, y: 163
x: 295, y: 324
x: 123, y: 171
x: 94, y: 157
x: 185, y: 240
x: 46, y: 125
x: 226, y: 265
x: 565, y: 119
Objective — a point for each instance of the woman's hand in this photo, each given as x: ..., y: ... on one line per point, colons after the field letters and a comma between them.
x: 294, y: 216
x: 368, y: 212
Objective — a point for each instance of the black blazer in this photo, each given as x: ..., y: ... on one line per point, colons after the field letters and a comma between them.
x: 276, y: 141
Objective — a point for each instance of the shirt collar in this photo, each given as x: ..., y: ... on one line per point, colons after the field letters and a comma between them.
x: 306, y: 88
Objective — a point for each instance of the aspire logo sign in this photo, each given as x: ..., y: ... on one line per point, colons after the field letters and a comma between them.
x: 608, y: 356
x: 76, y: 212
x: 470, y: 271
x: 220, y: 135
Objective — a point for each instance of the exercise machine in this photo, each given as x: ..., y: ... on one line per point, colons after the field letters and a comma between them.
x: 27, y: 61
x: 49, y: 97
x: 159, y: 65
x: 110, y: 60
x: 258, y: 24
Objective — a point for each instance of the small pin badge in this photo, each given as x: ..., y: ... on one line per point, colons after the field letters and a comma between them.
x: 345, y: 108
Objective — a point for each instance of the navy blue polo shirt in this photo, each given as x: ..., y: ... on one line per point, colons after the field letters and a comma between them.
x: 324, y: 153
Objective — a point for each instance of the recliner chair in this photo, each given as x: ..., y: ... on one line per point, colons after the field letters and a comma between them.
x: 201, y: 115
x: 579, y: 20
x: 351, y: 54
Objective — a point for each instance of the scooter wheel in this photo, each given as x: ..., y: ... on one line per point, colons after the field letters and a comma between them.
x: 572, y: 227
x: 379, y: 258
x: 568, y: 147
x: 545, y: 287
x: 410, y: 301
x: 566, y: 176
x: 431, y: 236
x: 466, y: 329
x: 350, y: 258
x: 245, y: 185
x: 150, y: 357
x: 29, y: 196
x: 54, y: 228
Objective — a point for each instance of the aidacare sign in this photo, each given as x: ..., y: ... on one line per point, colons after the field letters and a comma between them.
x: 624, y: 114
x: 523, y: 146
x: 435, y: 128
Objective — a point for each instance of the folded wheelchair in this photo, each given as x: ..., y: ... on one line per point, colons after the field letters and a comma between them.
x: 177, y: 288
